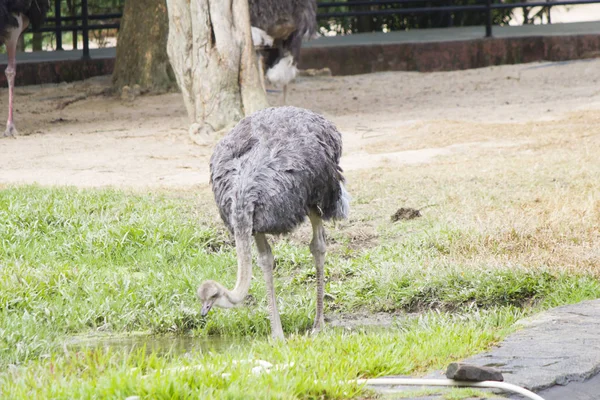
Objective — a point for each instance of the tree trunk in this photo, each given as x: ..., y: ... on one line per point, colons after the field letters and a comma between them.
x: 72, y: 13
x: 364, y: 23
x: 21, y: 43
x: 38, y: 41
x: 142, y: 47
x: 211, y: 51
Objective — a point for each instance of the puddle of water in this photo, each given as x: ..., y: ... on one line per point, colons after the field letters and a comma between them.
x: 366, y: 322
x: 160, y: 345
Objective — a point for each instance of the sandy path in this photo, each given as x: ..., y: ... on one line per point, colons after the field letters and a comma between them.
x: 394, y: 117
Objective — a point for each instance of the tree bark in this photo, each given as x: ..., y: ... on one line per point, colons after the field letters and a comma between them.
x: 72, y: 13
x: 364, y: 23
x: 37, y: 41
x: 142, y: 47
x: 211, y: 51
x: 21, y: 43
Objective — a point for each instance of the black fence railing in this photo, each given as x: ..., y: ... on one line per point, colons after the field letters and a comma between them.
x: 327, y: 11
x: 335, y: 10
x: 58, y: 24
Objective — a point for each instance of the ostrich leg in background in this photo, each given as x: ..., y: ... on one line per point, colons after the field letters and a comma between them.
x: 266, y: 262
x: 317, y: 248
x: 261, y: 40
x: 261, y: 70
x: 11, y: 70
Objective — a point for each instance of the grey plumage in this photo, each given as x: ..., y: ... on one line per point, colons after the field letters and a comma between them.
x: 287, y: 21
x: 279, y: 163
x: 273, y: 169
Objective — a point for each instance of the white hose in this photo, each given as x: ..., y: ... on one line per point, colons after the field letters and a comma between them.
x: 449, y: 382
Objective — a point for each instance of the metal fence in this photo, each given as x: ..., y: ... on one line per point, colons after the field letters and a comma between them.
x: 356, y: 8
x: 327, y: 11
x: 84, y: 23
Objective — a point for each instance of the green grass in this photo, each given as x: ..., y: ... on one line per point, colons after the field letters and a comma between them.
x: 321, y: 364
x: 78, y: 262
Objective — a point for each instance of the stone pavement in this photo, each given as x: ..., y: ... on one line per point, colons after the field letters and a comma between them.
x: 435, y: 35
x: 556, y: 354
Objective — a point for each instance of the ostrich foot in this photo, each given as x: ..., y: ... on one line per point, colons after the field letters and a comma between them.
x: 277, y: 336
x: 318, y: 326
x: 11, y: 131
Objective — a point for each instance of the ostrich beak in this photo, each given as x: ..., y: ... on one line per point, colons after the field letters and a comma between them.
x: 206, y: 308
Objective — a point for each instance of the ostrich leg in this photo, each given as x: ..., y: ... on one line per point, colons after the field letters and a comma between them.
x: 261, y: 39
x: 265, y: 260
x: 11, y: 70
x: 317, y: 248
x: 285, y: 90
x: 261, y: 70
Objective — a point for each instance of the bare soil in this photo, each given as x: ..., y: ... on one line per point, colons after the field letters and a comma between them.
x: 508, y: 153
x: 73, y: 134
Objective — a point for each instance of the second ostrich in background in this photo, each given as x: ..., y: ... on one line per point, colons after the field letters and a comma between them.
x: 15, y: 17
x: 272, y: 170
x: 278, y: 27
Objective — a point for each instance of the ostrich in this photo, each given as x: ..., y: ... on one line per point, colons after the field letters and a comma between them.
x: 15, y: 17
x: 272, y: 170
x: 278, y: 27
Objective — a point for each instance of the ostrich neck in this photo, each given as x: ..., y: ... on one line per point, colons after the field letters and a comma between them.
x: 243, y: 249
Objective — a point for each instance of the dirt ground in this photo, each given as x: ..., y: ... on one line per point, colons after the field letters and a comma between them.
x: 386, y: 119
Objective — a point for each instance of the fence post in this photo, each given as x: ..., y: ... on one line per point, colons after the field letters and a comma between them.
x: 488, y: 18
x: 58, y: 31
x: 84, y: 30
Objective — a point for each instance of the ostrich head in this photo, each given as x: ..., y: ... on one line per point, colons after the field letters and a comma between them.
x: 212, y: 293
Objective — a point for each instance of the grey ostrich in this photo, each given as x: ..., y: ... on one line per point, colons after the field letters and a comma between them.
x: 15, y: 17
x: 276, y: 167
x: 278, y: 27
